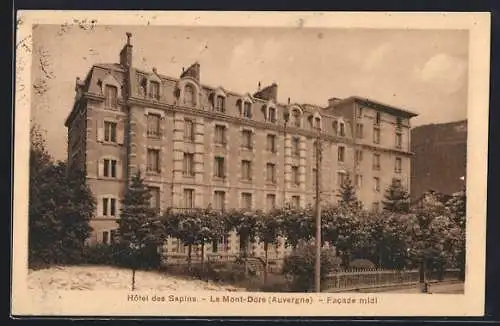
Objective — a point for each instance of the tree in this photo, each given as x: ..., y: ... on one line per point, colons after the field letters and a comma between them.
x: 347, y: 195
x: 457, y: 209
x: 268, y: 232
x: 297, y: 225
x: 60, y: 207
x: 139, y: 227
x: 396, y: 198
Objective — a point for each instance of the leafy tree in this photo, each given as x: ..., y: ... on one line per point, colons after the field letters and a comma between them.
x: 139, y: 227
x: 396, y: 198
x: 347, y: 195
x: 268, y: 232
x: 297, y: 225
x: 457, y: 210
x: 213, y: 228
x: 245, y: 224
x: 60, y: 207
x: 300, y: 266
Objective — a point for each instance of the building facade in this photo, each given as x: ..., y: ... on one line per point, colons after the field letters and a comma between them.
x: 198, y: 145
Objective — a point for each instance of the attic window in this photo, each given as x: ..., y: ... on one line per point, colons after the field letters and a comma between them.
x: 296, y: 118
x: 219, y: 104
x: 317, y: 123
x: 189, y: 95
x: 271, y: 115
x: 154, y: 90
x: 247, y: 110
x: 110, y: 95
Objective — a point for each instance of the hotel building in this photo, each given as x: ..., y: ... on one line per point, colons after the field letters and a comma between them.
x: 198, y: 145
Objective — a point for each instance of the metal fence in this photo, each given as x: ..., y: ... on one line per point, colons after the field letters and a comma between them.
x: 352, y: 279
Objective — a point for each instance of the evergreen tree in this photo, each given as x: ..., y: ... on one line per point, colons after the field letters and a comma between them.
x: 60, y: 207
x: 347, y: 195
x: 396, y: 198
x: 139, y: 227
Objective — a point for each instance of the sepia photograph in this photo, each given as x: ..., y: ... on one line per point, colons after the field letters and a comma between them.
x: 200, y: 163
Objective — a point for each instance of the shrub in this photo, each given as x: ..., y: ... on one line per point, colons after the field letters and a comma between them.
x: 362, y: 264
x: 118, y: 255
x: 300, y: 267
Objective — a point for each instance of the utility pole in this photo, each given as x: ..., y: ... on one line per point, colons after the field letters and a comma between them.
x: 318, y: 213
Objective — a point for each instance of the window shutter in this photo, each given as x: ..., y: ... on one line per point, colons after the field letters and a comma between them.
x: 119, y: 133
x: 119, y: 169
x: 100, y: 130
x: 100, y: 168
x: 117, y: 208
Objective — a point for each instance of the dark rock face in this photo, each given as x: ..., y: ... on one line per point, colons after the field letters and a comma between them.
x: 440, y: 158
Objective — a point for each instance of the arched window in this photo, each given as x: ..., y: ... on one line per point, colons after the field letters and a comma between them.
x: 219, y: 104
x: 189, y: 95
x: 296, y: 118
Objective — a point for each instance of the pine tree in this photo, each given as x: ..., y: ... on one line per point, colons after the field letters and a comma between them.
x: 396, y: 198
x: 140, y: 229
x: 347, y: 195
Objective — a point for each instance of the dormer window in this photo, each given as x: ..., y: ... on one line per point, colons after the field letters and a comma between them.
x: 154, y: 90
x: 317, y: 123
x: 219, y: 104
x: 189, y: 95
x: 342, y: 129
x: 247, y: 110
x: 296, y: 118
x: 110, y: 95
x: 271, y: 115
x: 399, y: 123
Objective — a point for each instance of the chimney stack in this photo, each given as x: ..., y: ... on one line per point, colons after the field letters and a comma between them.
x: 126, y: 52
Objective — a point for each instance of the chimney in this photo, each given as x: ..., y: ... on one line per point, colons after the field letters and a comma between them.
x: 333, y: 101
x: 193, y: 71
x: 126, y: 53
x: 268, y: 93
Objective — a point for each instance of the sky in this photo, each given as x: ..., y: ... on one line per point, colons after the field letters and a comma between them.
x: 424, y: 71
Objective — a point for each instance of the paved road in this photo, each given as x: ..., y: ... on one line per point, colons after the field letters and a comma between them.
x: 450, y: 288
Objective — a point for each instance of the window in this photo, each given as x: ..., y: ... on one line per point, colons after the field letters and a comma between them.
x: 359, y: 156
x: 270, y: 173
x: 271, y: 143
x: 188, y: 198
x: 154, y: 90
x: 109, y: 207
x: 376, y: 135
x: 376, y: 161
x: 246, y: 170
x: 110, y: 96
x: 219, y: 104
x: 335, y: 127
x: 270, y: 201
x: 295, y: 146
x: 188, y: 165
x: 247, y: 110
x: 246, y: 200
x: 342, y: 129
x: 154, y: 125
x: 246, y: 139
x: 220, y: 135
x: 341, y: 177
x: 109, y: 168
x: 314, y: 177
x: 376, y: 184
x: 271, y: 115
x: 317, y: 123
x: 377, y: 118
x: 105, y: 237
x: 296, y: 118
x: 399, y: 141
x: 399, y: 123
x: 359, y: 112
x: 188, y: 130
x: 219, y: 200
x: 154, y: 201
x: 397, y: 165
x: 396, y: 182
x: 359, y: 130
x: 315, y: 149
x: 376, y: 207
x: 222, y: 244
x: 153, y: 160
x: 359, y: 181
x: 219, y: 168
x: 341, y: 154
x: 189, y: 95
x: 110, y: 131
x: 295, y: 175
x: 296, y: 201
